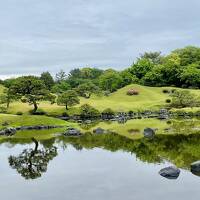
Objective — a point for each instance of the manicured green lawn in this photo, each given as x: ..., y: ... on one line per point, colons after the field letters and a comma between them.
x: 28, y: 120
x: 1, y: 89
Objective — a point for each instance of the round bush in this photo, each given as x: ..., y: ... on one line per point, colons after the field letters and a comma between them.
x: 166, y: 91
x: 168, y: 100
x: 132, y: 92
x: 173, y: 90
x: 65, y: 114
x: 19, y: 113
x: 130, y: 112
x: 108, y: 111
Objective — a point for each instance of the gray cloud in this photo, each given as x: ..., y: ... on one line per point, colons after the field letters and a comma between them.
x: 49, y: 35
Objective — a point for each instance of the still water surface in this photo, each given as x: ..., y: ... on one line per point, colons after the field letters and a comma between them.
x: 74, y: 170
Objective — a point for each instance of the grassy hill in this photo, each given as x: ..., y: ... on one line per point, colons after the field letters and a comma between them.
x: 148, y: 98
x: 15, y: 120
x: 1, y: 89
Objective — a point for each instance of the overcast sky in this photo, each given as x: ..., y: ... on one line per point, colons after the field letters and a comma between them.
x: 40, y: 35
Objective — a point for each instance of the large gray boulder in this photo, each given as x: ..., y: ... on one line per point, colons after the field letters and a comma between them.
x: 149, y: 132
x: 170, y: 172
x: 195, y: 168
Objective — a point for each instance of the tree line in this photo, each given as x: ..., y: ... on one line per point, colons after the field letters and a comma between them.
x: 180, y: 68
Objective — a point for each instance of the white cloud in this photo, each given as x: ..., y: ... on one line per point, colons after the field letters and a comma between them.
x: 49, y: 35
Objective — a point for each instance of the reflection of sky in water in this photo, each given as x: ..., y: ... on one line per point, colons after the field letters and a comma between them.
x: 95, y: 174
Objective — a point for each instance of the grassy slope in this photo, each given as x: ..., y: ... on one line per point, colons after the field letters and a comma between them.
x: 1, y: 89
x: 119, y: 101
x: 26, y: 120
x: 149, y: 98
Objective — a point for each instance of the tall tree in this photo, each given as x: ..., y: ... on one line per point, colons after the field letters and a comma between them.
x: 141, y: 67
x: 188, y: 55
x: 87, y: 89
x: 61, y: 87
x: 154, y: 57
x: 7, y: 97
x: 61, y: 76
x: 110, y: 80
x: 191, y: 76
x: 47, y: 78
x: 69, y: 98
x: 31, y: 89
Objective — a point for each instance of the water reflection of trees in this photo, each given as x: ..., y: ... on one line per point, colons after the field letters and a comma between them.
x: 181, y: 150
x: 31, y: 163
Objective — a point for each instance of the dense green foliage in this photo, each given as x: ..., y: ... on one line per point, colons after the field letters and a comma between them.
x: 180, y: 68
x: 182, y: 99
x: 47, y: 78
x: 87, y: 89
x: 68, y: 98
x: 87, y: 112
x: 30, y: 89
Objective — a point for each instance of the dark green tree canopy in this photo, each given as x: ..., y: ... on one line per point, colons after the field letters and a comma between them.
x: 68, y: 98
x: 47, y: 79
x: 141, y: 67
x: 154, y: 57
x: 188, y: 55
x: 87, y: 111
x: 110, y: 80
x: 87, y: 89
x: 31, y: 89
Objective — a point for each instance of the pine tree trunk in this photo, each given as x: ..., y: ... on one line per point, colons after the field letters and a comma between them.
x: 35, y: 106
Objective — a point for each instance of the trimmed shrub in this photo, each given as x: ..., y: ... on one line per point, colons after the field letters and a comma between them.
x: 5, y: 123
x: 108, y: 111
x: 132, y: 92
x: 166, y: 91
x: 38, y: 112
x: 3, y: 109
x: 87, y: 112
x: 169, y: 122
x: 168, y: 101
x: 19, y: 113
x: 130, y: 112
x: 173, y: 90
x: 106, y: 93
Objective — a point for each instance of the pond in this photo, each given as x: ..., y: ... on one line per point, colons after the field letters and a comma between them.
x: 109, y: 166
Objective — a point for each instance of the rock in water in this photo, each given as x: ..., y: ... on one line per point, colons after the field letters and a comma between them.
x: 170, y: 172
x: 8, y: 131
x: 72, y: 132
x: 195, y: 168
x: 149, y: 132
x: 99, y: 131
